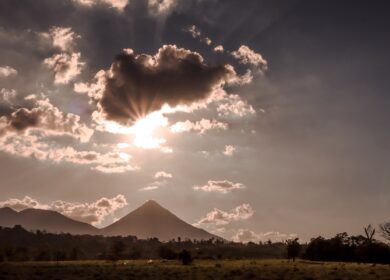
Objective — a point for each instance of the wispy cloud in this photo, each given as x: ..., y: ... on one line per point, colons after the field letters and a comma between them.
x: 224, y: 186
x: 245, y: 236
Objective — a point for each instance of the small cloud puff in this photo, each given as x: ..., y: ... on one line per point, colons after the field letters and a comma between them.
x: 245, y: 55
x: 201, y: 126
x: 7, y: 71
x: 224, y: 186
x: 229, y: 150
x: 163, y: 174
x: 218, y: 217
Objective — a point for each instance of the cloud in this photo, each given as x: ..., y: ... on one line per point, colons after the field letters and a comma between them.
x: 218, y: 48
x: 245, y: 55
x: 224, y: 186
x: 149, y: 188
x: 137, y: 85
x: 63, y: 37
x: 7, y: 95
x: 34, y: 146
x: 65, y: 66
x: 201, y: 126
x: 196, y: 34
x: 21, y: 204
x: 233, y: 106
x: 220, y: 217
x: 95, y: 88
x: 7, y: 71
x: 46, y: 118
x: 161, y: 7
x: 161, y: 180
x: 115, y: 168
x: 25, y: 133
x: 229, y: 150
x: 117, y: 4
x: 93, y: 213
x: 163, y: 174
x: 245, y: 236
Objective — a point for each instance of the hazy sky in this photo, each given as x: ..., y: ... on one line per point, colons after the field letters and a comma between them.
x: 252, y: 119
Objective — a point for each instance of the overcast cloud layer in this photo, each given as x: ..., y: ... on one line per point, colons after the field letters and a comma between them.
x: 272, y: 126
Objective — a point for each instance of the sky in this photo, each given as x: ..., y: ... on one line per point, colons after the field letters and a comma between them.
x: 253, y: 119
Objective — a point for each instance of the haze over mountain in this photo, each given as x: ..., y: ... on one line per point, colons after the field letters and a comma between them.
x: 148, y: 221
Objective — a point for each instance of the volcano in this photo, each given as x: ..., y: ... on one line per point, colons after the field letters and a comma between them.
x: 152, y: 220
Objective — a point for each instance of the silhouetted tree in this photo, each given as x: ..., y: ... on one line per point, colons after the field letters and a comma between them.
x: 18, y: 244
x: 369, y: 231
x: 185, y: 257
x: 117, y: 250
x: 166, y: 253
x: 385, y: 230
x: 74, y: 255
x: 293, y: 248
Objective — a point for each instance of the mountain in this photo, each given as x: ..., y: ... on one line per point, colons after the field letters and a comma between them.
x: 148, y: 221
x: 50, y: 221
x: 152, y: 220
x: 8, y: 217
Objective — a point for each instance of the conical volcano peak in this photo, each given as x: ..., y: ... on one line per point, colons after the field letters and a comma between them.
x: 152, y: 220
x: 151, y: 202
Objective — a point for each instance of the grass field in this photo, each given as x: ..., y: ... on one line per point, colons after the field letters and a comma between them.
x: 225, y: 269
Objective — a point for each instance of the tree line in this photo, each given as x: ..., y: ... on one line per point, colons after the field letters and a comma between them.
x: 18, y: 244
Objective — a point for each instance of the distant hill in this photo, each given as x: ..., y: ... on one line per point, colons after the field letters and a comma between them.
x: 50, y: 221
x: 152, y: 220
x: 148, y: 221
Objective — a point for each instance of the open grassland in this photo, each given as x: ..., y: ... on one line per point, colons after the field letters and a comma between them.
x: 224, y: 269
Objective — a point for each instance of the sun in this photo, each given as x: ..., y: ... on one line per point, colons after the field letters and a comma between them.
x: 144, y: 131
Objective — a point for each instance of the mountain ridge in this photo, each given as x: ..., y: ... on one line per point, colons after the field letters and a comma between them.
x: 150, y: 220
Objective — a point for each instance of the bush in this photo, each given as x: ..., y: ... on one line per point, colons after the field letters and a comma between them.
x: 185, y: 257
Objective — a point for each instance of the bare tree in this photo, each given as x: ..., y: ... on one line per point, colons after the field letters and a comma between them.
x: 385, y: 230
x: 369, y: 231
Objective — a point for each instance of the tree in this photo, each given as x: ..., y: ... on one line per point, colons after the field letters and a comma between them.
x: 385, y: 230
x: 369, y: 231
x: 185, y: 257
x: 74, y: 255
x: 166, y: 253
x: 117, y: 249
x: 293, y: 248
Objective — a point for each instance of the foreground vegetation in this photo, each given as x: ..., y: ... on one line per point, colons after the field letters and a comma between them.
x: 18, y: 244
x: 200, y: 269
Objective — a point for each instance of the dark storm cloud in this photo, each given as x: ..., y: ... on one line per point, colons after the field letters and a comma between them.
x: 139, y: 84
